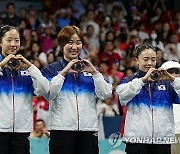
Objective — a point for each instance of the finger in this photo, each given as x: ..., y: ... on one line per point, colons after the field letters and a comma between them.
x: 72, y: 71
x: 8, y: 67
x: 85, y: 61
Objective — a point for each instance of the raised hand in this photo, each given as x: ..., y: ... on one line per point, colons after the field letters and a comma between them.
x: 24, y: 63
x: 68, y: 68
x: 4, y: 62
x: 148, y: 74
x: 89, y: 67
x: 166, y: 76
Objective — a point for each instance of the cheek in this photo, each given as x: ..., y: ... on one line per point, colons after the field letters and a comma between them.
x: 67, y: 47
x: 79, y: 46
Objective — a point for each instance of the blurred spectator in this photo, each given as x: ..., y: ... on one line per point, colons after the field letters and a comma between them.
x: 103, y: 68
x: 23, y: 13
x: 130, y: 71
x: 172, y: 49
x: 40, y: 108
x: 116, y: 74
x: 46, y: 39
x: 78, y: 8
x: 37, y: 63
x: 165, y: 34
x: 36, y: 52
x: 159, y: 57
x: 117, y: 43
x: 51, y: 57
x: 32, y: 20
x: 142, y: 32
x: 56, y: 48
x: 40, y: 130
x: 157, y: 16
x: 108, y: 54
x: 155, y: 41
x: 11, y: 18
x: 90, y: 21
x: 34, y: 35
x: 107, y: 107
x: 91, y: 43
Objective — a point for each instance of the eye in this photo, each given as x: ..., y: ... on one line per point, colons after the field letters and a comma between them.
x: 79, y: 42
x: 8, y: 40
x: 146, y: 59
x: 70, y: 42
x: 17, y: 41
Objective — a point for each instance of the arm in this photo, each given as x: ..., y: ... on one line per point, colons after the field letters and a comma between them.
x: 40, y: 83
x: 176, y: 85
x: 127, y: 91
x: 102, y: 88
x: 56, y: 82
x: 55, y: 86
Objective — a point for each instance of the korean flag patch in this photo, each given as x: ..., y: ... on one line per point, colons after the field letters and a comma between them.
x: 24, y: 73
x: 161, y: 87
x: 87, y: 74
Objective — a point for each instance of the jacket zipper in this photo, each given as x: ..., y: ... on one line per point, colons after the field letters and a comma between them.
x: 150, y: 96
x: 12, y: 79
x: 77, y: 107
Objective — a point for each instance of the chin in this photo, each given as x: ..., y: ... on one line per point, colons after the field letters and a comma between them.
x: 74, y: 57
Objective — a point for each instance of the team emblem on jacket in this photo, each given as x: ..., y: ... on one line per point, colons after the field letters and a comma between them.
x: 161, y: 87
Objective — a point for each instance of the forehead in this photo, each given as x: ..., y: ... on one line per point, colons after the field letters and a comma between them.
x: 12, y: 33
x: 75, y: 37
x: 147, y: 53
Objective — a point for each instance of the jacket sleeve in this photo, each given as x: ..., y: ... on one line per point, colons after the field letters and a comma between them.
x: 40, y: 83
x: 55, y: 81
x: 103, y: 89
x: 127, y: 90
x: 176, y: 85
x: 55, y: 86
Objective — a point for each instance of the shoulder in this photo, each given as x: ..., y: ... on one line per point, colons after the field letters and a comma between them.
x: 52, y: 69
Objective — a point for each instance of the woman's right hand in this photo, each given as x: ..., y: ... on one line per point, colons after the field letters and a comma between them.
x: 147, y: 76
x: 4, y: 62
x: 68, y: 68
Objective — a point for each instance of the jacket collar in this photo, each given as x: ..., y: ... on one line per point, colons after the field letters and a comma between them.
x: 1, y: 57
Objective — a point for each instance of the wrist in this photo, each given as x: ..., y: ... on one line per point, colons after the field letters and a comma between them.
x: 143, y: 79
x: 29, y: 65
x: 172, y: 79
x: 95, y: 72
x: 63, y: 73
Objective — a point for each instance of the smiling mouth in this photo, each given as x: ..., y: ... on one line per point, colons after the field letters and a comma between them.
x: 13, y: 49
x: 74, y: 53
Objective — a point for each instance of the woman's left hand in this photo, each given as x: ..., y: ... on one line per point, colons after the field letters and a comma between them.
x: 89, y: 67
x: 165, y: 75
x: 24, y: 63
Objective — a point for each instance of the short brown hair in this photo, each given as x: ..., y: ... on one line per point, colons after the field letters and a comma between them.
x: 65, y: 34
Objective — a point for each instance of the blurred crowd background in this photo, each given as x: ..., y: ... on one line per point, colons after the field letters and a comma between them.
x: 112, y: 29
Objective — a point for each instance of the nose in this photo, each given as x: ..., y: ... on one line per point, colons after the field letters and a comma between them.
x: 149, y: 62
x: 13, y: 43
x: 74, y: 46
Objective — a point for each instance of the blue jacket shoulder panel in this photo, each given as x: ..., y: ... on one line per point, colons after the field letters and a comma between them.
x: 52, y: 70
